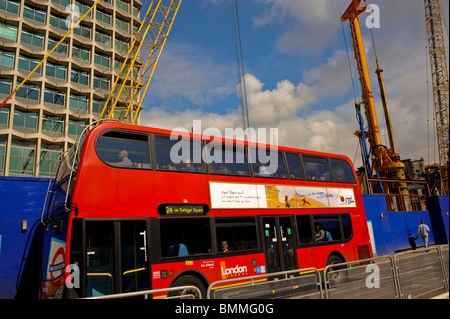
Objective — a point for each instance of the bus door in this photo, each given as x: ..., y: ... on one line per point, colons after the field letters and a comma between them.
x: 278, y: 244
x: 116, y: 257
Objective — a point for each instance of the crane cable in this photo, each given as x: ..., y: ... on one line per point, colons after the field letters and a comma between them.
x: 348, y: 60
x: 239, y: 63
x: 376, y: 59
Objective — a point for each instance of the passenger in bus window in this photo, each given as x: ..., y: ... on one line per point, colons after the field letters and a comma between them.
x: 225, y: 247
x: 188, y: 165
x: 320, y: 233
x: 263, y: 171
x: 123, y: 160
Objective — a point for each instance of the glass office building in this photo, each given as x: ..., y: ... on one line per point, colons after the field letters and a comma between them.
x: 69, y: 90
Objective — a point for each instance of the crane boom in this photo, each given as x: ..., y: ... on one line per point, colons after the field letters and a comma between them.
x: 386, y: 162
x: 439, y: 75
x: 125, y: 99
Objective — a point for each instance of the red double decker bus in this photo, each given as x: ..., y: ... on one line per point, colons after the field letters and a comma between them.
x: 126, y: 217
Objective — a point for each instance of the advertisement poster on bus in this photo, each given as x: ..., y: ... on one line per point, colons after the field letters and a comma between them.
x: 241, y: 195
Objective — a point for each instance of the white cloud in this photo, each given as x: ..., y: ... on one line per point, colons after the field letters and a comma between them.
x: 187, y: 71
x: 307, y: 26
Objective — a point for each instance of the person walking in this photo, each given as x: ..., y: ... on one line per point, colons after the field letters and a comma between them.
x: 423, y: 232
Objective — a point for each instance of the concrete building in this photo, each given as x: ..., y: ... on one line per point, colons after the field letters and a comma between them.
x: 47, y: 114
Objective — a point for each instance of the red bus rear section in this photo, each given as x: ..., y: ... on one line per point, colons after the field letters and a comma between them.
x: 145, y: 221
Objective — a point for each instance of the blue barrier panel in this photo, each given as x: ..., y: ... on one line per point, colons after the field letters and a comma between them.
x: 390, y: 229
x: 438, y: 206
x: 22, y: 200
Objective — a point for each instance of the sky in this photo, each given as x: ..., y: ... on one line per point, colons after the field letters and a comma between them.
x: 297, y: 74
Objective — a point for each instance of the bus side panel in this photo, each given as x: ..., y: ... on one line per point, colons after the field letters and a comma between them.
x: 96, y: 197
x: 214, y: 269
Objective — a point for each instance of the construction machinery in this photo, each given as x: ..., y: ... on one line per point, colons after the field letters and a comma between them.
x: 439, y: 75
x: 386, y: 161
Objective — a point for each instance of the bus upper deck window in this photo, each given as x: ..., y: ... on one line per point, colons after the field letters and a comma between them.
x: 342, y: 171
x: 121, y: 149
x: 317, y: 168
x: 295, y: 166
x: 182, y: 155
x: 227, y: 159
x: 267, y: 163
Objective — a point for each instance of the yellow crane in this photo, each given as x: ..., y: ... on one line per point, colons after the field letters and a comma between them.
x: 125, y: 99
x: 386, y: 161
x: 439, y: 75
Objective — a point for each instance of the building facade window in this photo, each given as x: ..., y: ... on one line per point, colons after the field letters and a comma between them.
x: 10, y: 6
x: 8, y: 31
x: 121, y: 45
x: 5, y: 86
x: 52, y: 123
x: 58, y: 22
x: 56, y: 70
x: 22, y: 157
x: 136, y: 12
x: 78, y: 101
x: 122, y: 25
x: 4, y: 116
x: 122, y: 5
x: 54, y: 96
x: 34, y: 39
x: 25, y: 119
x: 63, y: 3
x: 62, y: 48
x: 102, y: 59
x: 48, y: 159
x: 97, y: 105
x: 28, y: 64
x: 34, y: 14
x: 83, y: 8
x: 102, y: 37
x: 83, y: 30
x: 81, y: 53
x: 29, y: 91
x: 76, y: 127
x: 79, y: 76
x: 103, y: 17
x: 2, y: 155
x: 7, y: 58
x: 101, y: 82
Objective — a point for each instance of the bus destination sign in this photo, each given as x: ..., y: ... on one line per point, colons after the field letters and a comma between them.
x: 183, y: 209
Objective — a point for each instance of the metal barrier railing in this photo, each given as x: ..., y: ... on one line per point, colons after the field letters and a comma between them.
x: 298, y: 283
x: 372, y: 278
x: 154, y: 291
x: 445, y: 262
x: 420, y: 273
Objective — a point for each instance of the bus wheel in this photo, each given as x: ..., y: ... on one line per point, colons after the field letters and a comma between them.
x: 338, y: 275
x: 189, y: 281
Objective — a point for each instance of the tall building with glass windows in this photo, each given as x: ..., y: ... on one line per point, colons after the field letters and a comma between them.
x: 47, y: 114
